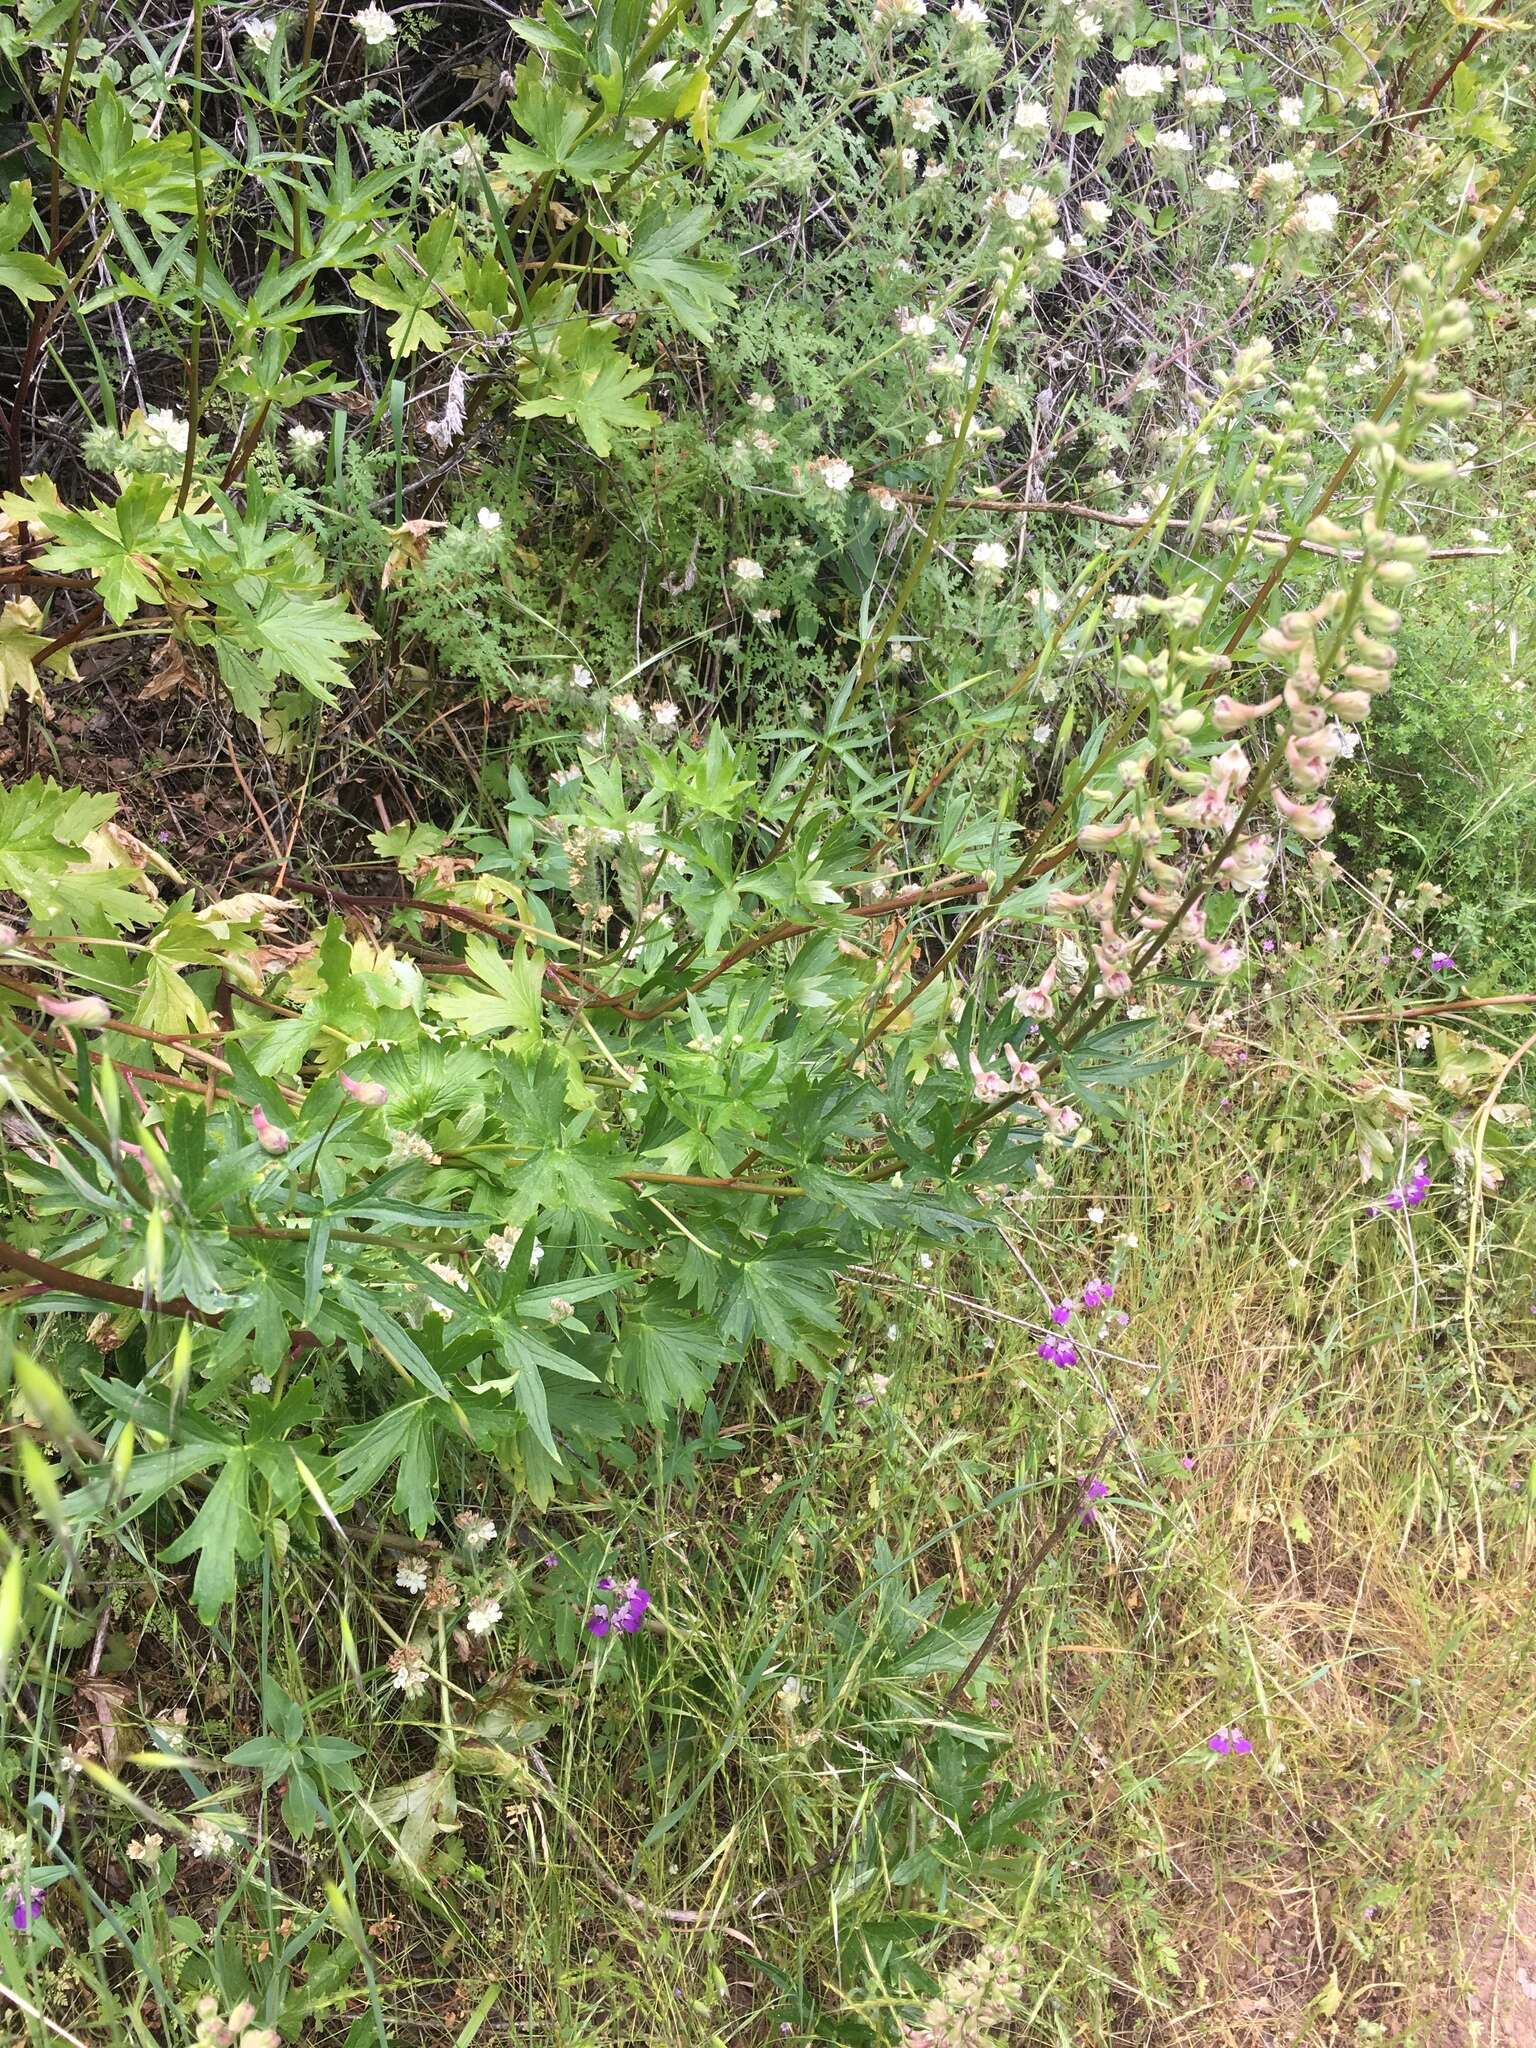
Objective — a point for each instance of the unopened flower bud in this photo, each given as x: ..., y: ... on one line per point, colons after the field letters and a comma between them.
x: 1227, y: 715
x: 372, y: 1094
x: 91, y: 1011
x: 268, y: 1136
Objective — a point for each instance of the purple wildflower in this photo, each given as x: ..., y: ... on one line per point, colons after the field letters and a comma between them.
x: 1098, y: 1294
x: 27, y: 1908
x: 1056, y: 1351
x: 625, y: 1613
x: 1229, y: 1742
x: 1409, y: 1195
x: 1442, y: 963
x: 1061, y: 1314
x: 1093, y: 1489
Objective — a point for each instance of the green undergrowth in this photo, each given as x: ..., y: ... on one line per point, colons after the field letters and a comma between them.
x: 1315, y: 1431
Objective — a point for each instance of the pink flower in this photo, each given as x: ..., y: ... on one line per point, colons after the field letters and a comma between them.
x: 268, y: 1136
x: 1022, y: 1073
x: 88, y: 1010
x: 1229, y: 1742
x: 986, y: 1084
x: 372, y: 1094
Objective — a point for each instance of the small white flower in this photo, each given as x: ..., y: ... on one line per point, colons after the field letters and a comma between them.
x: 483, y: 1616
x: 1221, y: 181
x: 968, y: 14
x: 762, y: 401
x: 260, y: 1383
x: 209, y: 1844
x: 305, y: 441
x: 1089, y: 26
x: 411, y: 1575
x: 627, y: 706
x: 560, y: 1310
x: 1203, y: 97
x: 261, y: 33
x: 988, y: 557
x: 1096, y: 213
x: 1041, y: 735
x: 665, y: 715
x: 488, y: 519
x: 1288, y: 113
x: 1174, y: 141
x: 1096, y: 1214
x: 581, y: 678
x: 745, y: 570
x: 476, y: 1530
x: 375, y: 25
x: 1316, y: 213
x: 1031, y: 118
x: 409, y: 1671
x: 1144, y: 81
x: 836, y: 474
x: 168, y: 428
x: 921, y: 115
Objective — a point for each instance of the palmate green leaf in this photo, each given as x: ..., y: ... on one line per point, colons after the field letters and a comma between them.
x: 658, y: 259
x: 302, y: 636
x: 222, y: 1531
x: 529, y: 1357
x: 418, y: 286
x: 784, y: 1295
x: 587, y: 379
x: 43, y: 856
x: 391, y: 1338
x: 561, y: 140
x: 507, y: 999
x: 124, y: 165
x: 27, y: 276
x: 667, y: 1356
x: 132, y: 550
x: 406, y: 1436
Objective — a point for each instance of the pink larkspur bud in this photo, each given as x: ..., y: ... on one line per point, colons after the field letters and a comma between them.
x: 1312, y: 821
x: 372, y: 1094
x: 268, y: 1135
x: 1095, y: 835
x: 88, y: 1010
x: 1351, y: 705
x: 1227, y: 715
x: 986, y: 1084
x: 1021, y: 1072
